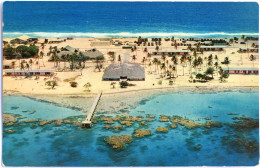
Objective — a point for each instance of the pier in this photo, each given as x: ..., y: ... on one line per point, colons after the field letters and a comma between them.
x: 87, y: 123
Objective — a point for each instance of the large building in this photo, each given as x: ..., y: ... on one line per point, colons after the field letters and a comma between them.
x: 18, y: 72
x: 210, y: 48
x: 170, y: 52
x: 245, y: 71
x: 125, y: 71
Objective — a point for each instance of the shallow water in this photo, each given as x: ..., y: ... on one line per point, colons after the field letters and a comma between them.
x: 69, y: 145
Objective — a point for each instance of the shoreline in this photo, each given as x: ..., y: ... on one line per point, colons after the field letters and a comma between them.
x: 180, y: 88
x: 122, y: 102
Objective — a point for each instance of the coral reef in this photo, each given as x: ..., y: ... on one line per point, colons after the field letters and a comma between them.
x: 127, y: 123
x: 41, y: 123
x: 150, y: 116
x: 9, y: 119
x: 174, y: 125
x: 107, y: 126
x: 142, y: 133
x: 162, y: 129
x: 58, y: 122
x: 240, y: 144
x: 9, y: 131
x: 32, y: 111
x: 119, y: 141
x: 118, y: 127
x: 149, y: 119
x: 245, y: 123
x: 164, y: 118
x: 143, y: 123
x: 210, y: 124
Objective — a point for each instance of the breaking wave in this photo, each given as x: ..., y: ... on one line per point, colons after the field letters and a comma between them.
x: 123, y: 34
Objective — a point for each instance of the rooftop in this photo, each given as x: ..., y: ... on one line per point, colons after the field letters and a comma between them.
x: 210, y: 46
x: 31, y: 70
x: 92, y: 53
x: 241, y: 69
x: 170, y: 51
x: 131, y: 71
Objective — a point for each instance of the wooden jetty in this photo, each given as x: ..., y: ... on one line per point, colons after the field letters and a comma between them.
x: 87, y: 123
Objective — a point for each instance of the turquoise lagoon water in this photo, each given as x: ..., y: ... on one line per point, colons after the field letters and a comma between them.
x: 69, y: 145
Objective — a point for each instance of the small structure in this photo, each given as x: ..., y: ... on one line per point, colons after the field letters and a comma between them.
x: 65, y: 51
x: 18, y: 41
x: 93, y: 53
x: 170, y: 52
x: 210, y: 48
x: 248, y: 50
x: 243, y: 71
x: 55, y: 41
x: 32, y: 39
x: 128, y: 71
x: 7, y: 66
x: 18, y: 72
x: 70, y: 38
x: 5, y: 43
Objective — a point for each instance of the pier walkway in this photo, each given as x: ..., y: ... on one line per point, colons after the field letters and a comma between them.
x: 87, y: 123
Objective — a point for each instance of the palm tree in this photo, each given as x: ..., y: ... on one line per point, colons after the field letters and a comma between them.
x: 210, y: 71
x: 134, y: 58
x: 150, y: 64
x: 41, y: 55
x: 195, y: 54
x: 195, y: 64
x: 163, y: 57
x: 113, y: 84
x: 158, y: 65
x: 190, y: 60
x: 231, y: 41
x: 175, y: 44
x: 119, y: 59
x: 52, y: 83
x: 210, y: 60
x: 31, y: 61
x: 28, y: 66
x: 163, y: 67
x: 87, y: 85
x: 183, y: 62
x: 200, y: 60
x: 143, y: 61
x: 226, y: 62
x: 252, y: 58
x: 21, y: 66
x: 155, y: 61
x: 175, y: 62
x: 216, y: 65
x: 13, y: 67
x: 243, y: 37
x: 216, y: 58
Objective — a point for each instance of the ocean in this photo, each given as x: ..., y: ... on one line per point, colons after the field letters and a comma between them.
x: 130, y: 19
x: 70, y: 145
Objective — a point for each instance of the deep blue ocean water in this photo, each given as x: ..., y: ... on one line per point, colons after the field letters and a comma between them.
x: 69, y: 145
x: 130, y: 19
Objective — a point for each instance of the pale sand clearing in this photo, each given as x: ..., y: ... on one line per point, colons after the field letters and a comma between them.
x: 32, y: 86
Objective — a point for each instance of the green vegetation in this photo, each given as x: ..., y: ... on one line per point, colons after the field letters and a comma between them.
x: 51, y: 83
x: 21, y: 51
x: 124, y: 84
x: 73, y: 84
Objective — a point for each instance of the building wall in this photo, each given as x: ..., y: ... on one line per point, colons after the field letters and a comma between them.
x: 24, y: 73
x: 246, y: 72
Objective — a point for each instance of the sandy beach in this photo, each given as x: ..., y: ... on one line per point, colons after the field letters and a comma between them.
x: 31, y: 85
